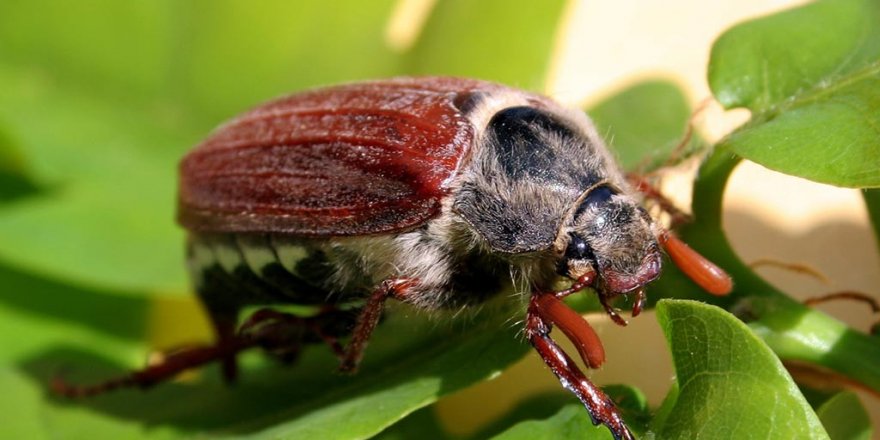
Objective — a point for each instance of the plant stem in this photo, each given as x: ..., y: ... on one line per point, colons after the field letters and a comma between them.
x: 794, y: 331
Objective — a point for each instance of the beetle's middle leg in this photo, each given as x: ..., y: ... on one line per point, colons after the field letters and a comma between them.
x: 368, y: 319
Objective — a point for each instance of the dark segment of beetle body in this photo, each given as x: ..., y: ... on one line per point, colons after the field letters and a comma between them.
x: 524, y: 180
x: 598, y: 196
x: 520, y: 134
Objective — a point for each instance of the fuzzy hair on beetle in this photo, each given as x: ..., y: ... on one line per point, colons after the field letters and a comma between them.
x: 437, y: 192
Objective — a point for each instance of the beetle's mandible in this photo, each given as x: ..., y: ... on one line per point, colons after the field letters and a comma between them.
x: 431, y: 191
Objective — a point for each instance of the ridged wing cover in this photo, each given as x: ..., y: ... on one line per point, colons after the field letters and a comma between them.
x: 347, y: 160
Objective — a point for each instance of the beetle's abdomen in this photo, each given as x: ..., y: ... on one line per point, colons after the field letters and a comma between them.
x: 240, y: 269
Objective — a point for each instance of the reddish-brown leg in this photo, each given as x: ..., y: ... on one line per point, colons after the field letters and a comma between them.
x: 677, y: 216
x: 601, y: 408
x: 612, y: 313
x: 266, y: 328
x: 369, y: 318
x: 275, y: 330
x: 639, y: 302
x: 173, y: 364
x: 224, y: 329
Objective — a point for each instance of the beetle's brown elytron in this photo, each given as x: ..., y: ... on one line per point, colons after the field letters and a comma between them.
x: 431, y: 191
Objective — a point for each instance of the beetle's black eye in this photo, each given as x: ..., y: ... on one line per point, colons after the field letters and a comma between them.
x: 596, y: 197
x: 578, y: 249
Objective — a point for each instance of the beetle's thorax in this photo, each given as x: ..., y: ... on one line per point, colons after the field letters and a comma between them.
x: 531, y: 161
x: 539, y: 179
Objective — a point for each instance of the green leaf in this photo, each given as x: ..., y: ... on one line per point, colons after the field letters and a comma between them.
x: 571, y: 421
x: 397, y: 383
x: 94, y: 335
x: 730, y: 385
x: 872, y: 203
x: 811, y: 77
x: 540, y: 406
x: 232, y: 55
x: 108, y: 47
x: 792, y: 330
x: 845, y: 418
x: 47, y: 327
x: 14, y: 179
x: 496, y: 40
x: 644, y: 123
x: 422, y: 424
x: 105, y: 215
x: 552, y: 415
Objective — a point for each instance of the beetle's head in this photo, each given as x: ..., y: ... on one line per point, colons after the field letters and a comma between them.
x: 610, y: 238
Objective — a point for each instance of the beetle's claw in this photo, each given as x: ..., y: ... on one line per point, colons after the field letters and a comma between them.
x: 639, y: 302
x: 611, y: 311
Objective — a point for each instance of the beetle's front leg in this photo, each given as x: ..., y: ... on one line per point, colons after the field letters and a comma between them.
x: 544, y: 309
x: 368, y: 319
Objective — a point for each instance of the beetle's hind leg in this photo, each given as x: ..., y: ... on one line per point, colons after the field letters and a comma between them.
x: 225, y: 323
x: 171, y: 364
x: 283, y: 334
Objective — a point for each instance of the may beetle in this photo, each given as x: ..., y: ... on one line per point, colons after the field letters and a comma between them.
x: 431, y: 191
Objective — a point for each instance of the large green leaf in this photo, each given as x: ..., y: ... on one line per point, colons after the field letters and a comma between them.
x: 495, y: 40
x: 811, y: 77
x: 105, y: 214
x: 14, y: 179
x: 845, y: 418
x: 644, y: 123
x: 527, y: 420
x: 730, y: 385
x: 400, y: 382
x: 93, y: 335
x: 570, y: 422
x: 235, y: 54
x: 792, y: 330
x: 422, y: 424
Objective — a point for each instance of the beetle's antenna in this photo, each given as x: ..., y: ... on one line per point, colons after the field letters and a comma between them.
x: 698, y: 268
